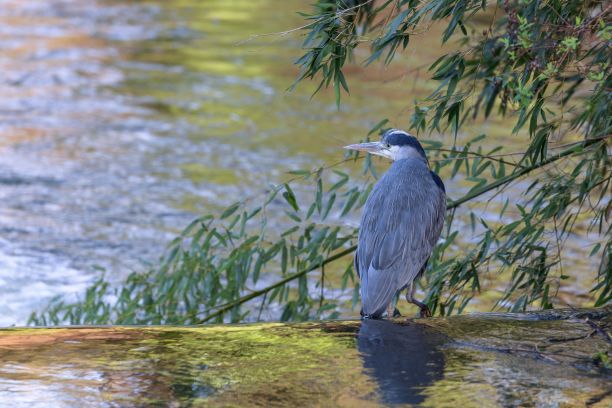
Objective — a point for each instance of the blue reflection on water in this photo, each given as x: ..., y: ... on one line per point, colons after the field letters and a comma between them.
x: 402, y: 358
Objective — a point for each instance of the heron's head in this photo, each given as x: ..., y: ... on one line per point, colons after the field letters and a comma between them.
x: 395, y: 144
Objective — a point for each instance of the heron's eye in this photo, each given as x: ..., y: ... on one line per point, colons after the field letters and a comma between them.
x: 387, y: 146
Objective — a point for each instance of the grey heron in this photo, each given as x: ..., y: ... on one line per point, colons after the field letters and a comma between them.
x: 401, y: 222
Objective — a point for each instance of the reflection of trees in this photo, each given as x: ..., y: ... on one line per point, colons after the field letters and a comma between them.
x: 227, y: 365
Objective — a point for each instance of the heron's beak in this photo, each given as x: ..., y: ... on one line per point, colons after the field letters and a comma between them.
x: 371, y: 147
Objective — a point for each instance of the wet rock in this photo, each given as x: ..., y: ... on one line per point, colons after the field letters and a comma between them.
x: 553, y: 358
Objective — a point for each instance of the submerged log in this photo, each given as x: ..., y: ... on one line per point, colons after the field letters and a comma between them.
x: 551, y: 358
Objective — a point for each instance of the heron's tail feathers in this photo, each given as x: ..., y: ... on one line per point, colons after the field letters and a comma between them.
x: 377, y: 290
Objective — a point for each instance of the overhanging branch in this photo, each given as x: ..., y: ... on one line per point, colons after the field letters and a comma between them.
x: 577, y: 148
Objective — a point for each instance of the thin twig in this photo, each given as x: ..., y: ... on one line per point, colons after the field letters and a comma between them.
x: 292, y: 30
x: 599, y: 329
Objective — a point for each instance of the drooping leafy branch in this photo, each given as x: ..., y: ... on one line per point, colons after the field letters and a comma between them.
x: 207, y: 270
x: 546, y: 65
x: 543, y: 65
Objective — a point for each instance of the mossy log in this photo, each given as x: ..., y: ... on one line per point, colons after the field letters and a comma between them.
x: 551, y: 358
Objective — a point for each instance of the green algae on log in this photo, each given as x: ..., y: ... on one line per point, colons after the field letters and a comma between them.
x: 552, y: 358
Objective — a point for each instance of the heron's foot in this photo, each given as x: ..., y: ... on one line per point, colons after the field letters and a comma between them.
x: 369, y: 316
x: 425, y: 312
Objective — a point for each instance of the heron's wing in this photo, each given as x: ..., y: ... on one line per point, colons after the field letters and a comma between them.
x: 395, y: 247
x: 397, y: 260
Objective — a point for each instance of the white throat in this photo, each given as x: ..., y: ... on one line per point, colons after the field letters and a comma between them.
x: 404, y: 152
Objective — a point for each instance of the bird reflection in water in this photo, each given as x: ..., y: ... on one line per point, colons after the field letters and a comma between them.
x: 402, y: 358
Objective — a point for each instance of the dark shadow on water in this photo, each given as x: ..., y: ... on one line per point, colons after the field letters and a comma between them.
x: 402, y: 358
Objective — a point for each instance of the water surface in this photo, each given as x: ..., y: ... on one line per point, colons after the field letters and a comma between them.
x: 471, y: 361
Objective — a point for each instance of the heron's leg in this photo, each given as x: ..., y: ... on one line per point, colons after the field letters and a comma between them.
x: 425, y: 312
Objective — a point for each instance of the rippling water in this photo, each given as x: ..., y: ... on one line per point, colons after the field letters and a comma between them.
x: 119, y: 121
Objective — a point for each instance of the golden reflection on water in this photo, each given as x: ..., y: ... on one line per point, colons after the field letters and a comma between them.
x: 228, y: 366
x: 432, y: 363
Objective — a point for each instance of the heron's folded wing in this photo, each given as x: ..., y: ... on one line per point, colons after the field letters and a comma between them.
x: 395, y: 258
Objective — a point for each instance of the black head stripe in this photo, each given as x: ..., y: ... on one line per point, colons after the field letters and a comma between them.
x: 400, y: 138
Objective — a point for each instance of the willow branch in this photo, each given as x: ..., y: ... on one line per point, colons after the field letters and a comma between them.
x: 281, y: 282
x: 450, y: 206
